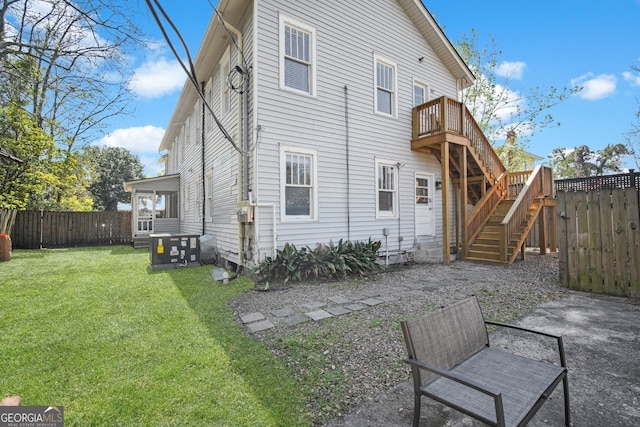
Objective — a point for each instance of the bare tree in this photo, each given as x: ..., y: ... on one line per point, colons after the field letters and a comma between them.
x: 632, y: 136
x: 65, y: 62
x: 499, y: 109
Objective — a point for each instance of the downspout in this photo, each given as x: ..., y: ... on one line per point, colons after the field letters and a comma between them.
x: 346, y: 123
x: 245, y: 133
x: 242, y: 120
x: 204, y: 186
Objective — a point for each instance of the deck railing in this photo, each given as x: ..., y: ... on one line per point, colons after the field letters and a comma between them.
x: 534, y: 187
x: 446, y: 115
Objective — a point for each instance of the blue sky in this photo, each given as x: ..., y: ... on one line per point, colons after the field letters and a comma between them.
x: 549, y: 42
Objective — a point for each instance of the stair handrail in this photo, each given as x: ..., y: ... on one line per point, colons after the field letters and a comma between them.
x: 446, y: 115
x: 533, y: 188
x: 485, y: 207
x: 481, y: 144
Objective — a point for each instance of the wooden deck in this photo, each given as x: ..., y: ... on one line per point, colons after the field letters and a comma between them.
x: 445, y: 128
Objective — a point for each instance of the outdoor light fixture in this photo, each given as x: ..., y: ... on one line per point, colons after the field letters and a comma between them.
x: 438, y: 184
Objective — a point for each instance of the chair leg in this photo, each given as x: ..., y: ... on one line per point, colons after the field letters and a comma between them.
x: 567, y: 415
x: 416, y: 410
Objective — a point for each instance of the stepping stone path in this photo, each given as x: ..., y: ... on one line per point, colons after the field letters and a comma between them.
x: 336, y: 305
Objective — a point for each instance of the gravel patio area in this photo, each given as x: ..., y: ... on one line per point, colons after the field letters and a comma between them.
x: 348, y: 358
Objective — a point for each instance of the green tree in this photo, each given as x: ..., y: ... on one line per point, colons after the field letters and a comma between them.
x: 64, y: 64
x: 500, y: 109
x: 23, y: 184
x: 109, y: 168
x: 582, y: 161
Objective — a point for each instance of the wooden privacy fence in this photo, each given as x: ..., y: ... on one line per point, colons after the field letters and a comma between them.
x: 39, y: 229
x: 599, y: 240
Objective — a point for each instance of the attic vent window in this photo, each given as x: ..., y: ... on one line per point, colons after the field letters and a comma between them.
x: 297, y: 56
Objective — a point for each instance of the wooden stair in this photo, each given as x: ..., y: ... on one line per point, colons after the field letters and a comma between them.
x: 486, y: 247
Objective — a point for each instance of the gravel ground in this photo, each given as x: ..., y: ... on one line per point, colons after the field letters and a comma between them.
x: 345, y: 361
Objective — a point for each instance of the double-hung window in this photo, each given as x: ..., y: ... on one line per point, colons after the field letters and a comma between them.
x: 297, y: 56
x: 385, y: 73
x: 387, y: 189
x: 208, y: 195
x: 298, y: 180
x: 225, y: 95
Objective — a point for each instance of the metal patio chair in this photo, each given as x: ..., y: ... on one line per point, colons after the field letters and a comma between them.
x: 452, y: 363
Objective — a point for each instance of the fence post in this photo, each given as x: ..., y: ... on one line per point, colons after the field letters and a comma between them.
x: 632, y: 178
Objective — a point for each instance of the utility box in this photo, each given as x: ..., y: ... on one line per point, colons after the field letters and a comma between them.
x: 174, y: 250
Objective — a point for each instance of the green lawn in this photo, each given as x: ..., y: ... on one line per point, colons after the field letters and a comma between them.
x: 97, y: 331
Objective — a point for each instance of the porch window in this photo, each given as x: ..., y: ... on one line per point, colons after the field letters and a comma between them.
x: 297, y: 55
x: 387, y: 194
x: 385, y: 86
x: 166, y: 204
x: 298, y: 177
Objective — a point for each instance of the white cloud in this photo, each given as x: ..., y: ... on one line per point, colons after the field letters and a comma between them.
x: 595, y: 87
x: 633, y: 79
x: 141, y: 139
x: 511, y: 70
x: 157, y: 78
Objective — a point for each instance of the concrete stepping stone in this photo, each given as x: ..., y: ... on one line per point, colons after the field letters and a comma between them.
x: 372, y: 293
x: 387, y: 298
x: 284, y: 312
x: 371, y: 301
x: 260, y: 326
x: 340, y: 300
x: 251, y: 317
x: 355, y: 307
x: 313, y: 305
x: 295, y: 319
x: 396, y: 289
x: 338, y: 310
x: 319, y: 315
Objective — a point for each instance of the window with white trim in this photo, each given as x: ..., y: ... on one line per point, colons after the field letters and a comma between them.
x: 210, y: 99
x: 298, y: 182
x: 386, y: 189
x: 420, y: 93
x: 297, y: 56
x: 198, y: 198
x: 208, y: 194
x: 187, y: 130
x: 385, y: 73
x: 225, y: 95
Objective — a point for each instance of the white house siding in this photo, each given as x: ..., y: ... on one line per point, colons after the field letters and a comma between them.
x: 348, y: 35
x: 221, y: 159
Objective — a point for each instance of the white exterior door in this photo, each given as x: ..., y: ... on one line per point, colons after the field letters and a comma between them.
x: 424, y: 205
x: 144, y: 212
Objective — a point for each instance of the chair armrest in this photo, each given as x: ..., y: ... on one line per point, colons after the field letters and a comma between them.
x: 495, y: 394
x: 557, y: 337
x: 454, y: 377
x: 521, y: 328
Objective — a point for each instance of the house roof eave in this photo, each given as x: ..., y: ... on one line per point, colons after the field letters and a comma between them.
x: 212, y: 47
x: 441, y: 44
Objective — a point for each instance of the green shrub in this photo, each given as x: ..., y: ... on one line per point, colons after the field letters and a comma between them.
x: 332, y: 261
